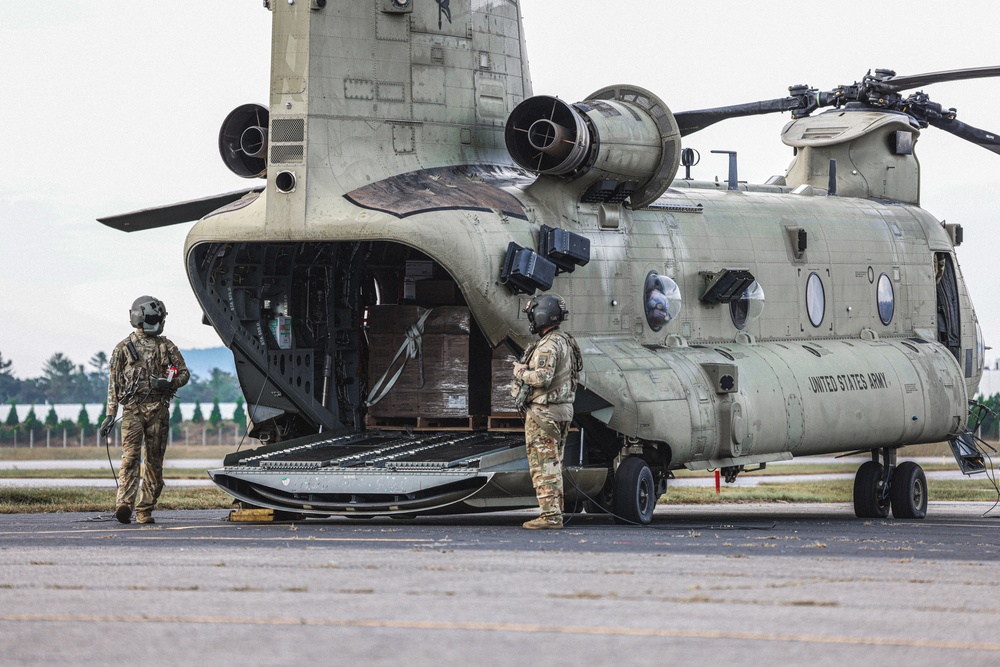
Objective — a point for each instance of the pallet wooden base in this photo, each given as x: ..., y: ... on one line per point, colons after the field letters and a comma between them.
x: 472, y: 423
x: 507, y: 421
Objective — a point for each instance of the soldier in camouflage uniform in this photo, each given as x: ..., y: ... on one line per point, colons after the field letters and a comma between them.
x: 146, y: 369
x: 550, y: 370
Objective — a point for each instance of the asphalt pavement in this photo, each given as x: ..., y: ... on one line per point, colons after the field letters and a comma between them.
x: 785, y: 584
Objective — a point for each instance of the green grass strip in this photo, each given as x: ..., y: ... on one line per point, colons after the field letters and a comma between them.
x: 32, y: 501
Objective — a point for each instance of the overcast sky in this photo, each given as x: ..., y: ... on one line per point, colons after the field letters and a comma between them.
x: 115, y: 105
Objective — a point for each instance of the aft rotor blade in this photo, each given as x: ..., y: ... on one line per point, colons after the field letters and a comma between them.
x: 692, y: 121
x: 173, y: 214
x: 988, y: 140
x: 906, y: 82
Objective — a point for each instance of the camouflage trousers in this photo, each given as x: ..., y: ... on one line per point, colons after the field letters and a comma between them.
x: 545, y: 454
x: 144, y: 441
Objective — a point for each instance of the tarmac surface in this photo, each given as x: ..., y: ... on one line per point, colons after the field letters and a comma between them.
x: 785, y: 584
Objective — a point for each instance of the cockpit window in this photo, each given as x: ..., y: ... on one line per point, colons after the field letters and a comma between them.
x: 662, y: 299
x: 886, y: 299
x: 815, y: 299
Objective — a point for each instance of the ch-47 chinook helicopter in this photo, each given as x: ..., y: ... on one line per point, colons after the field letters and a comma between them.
x: 404, y: 135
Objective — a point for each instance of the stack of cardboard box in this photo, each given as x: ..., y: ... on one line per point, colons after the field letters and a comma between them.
x: 420, y: 285
x: 444, y: 358
x: 501, y: 402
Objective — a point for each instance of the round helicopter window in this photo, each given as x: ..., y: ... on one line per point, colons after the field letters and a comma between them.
x: 815, y: 299
x: 886, y: 299
x: 748, y: 307
x: 661, y: 299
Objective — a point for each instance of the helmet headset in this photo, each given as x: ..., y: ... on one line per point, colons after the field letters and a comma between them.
x: 545, y: 311
x: 148, y: 314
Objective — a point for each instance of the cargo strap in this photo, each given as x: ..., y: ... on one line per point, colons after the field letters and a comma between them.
x: 413, y: 347
x: 543, y: 424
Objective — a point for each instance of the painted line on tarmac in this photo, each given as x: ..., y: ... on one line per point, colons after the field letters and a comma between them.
x: 666, y: 633
x: 296, y: 538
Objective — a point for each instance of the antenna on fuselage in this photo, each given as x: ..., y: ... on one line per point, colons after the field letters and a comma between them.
x: 734, y: 183
x: 689, y: 158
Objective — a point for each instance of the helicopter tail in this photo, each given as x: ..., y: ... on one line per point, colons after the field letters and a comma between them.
x: 362, y: 91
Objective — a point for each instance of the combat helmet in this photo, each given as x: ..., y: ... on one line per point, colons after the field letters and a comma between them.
x: 148, y: 313
x: 545, y: 311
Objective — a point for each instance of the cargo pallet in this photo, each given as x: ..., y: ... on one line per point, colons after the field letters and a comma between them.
x: 507, y: 421
x: 469, y: 423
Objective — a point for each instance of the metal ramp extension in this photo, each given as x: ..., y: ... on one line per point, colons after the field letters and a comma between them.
x: 389, y: 450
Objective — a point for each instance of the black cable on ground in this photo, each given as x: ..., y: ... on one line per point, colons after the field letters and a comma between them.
x: 990, y: 470
x: 114, y: 475
x: 979, y: 412
x: 107, y: 448
x: 662, y: 527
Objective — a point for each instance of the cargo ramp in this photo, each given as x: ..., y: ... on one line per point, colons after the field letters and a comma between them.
x: 378, y: 473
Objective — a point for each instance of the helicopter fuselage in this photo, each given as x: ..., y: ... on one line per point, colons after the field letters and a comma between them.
x: 409, y: 168
x: 808, y: 377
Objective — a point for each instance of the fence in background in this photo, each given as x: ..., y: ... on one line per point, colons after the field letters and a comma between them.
x: 196, y: 434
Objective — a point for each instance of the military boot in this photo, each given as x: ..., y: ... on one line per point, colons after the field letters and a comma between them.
x: 144, y: 517
x: 123, y: 513
x: 544, y: 523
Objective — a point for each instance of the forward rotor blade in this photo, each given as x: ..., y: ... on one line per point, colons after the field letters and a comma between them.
x: 987, y: 140
x: 173, y: 214
x: 906, y: 82
x: 699, y: 119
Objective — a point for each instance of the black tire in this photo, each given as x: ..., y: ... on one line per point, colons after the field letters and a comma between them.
x: 869, y: 501
x: 633, y: 498
x: 908, y: 491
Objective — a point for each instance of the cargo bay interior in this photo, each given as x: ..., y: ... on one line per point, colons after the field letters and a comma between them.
x: 315, y: 325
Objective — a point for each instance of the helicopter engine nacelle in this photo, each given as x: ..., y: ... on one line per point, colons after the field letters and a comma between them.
x: 243, y: 141
x: 623, y: 138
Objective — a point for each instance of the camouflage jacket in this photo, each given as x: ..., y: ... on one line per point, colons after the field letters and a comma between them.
x: 135, y: 362
x: 554, y: 370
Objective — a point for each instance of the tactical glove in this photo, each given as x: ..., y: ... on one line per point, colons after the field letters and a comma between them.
x: 107, y: 425
x: 162, y: 384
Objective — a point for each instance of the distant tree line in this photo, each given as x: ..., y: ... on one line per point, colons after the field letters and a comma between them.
x: 85, y: 426
x: 63, y: 381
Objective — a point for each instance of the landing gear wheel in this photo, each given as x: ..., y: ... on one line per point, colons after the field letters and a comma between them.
x: 869, y: 501
x: 633, y: 498
x: 908, y: 491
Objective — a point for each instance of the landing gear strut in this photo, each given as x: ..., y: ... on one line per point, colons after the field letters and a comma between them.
x: 879, y: 486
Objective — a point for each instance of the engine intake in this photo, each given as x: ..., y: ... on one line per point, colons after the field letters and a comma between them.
x: 243, y: 141
x: 620, y: 134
